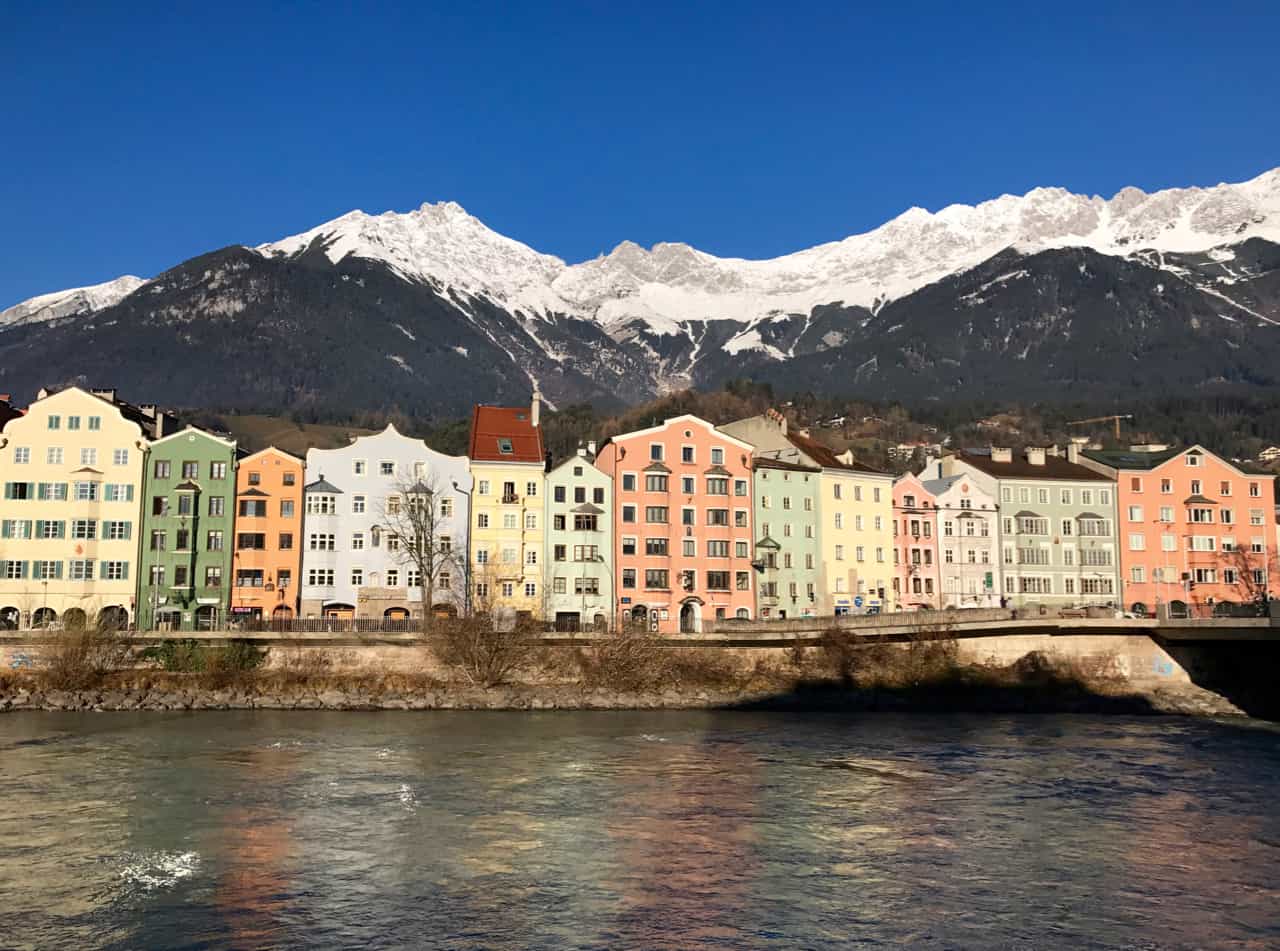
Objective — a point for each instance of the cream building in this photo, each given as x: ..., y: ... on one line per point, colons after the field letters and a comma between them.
x: 72, y: 470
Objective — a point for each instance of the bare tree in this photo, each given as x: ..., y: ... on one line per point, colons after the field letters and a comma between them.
x: 418, y: 515
x: 1245, y: 563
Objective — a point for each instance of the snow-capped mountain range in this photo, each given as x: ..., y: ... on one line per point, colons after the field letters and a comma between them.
x: 672, y: 283
x: 1026, y: 289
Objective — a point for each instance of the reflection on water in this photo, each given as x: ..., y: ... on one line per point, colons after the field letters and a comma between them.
x: 647, y: 830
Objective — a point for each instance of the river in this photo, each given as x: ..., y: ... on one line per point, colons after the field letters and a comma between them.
x: 636, y: 830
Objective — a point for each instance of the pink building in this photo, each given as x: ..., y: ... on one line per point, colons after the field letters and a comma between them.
x: 917, y: 582
x: 682, y: 525
x: 1195, y: 532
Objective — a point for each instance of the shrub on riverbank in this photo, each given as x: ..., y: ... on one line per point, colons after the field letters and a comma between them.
x: 219, y: 664
x: 79, y: 658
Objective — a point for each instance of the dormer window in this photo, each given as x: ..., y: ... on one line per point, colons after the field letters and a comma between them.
x: 504, y: 447
x: 1193, y: 459
x: 909, y: 501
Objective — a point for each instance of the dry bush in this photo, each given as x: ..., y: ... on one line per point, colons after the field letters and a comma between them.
x: 232, y: 663
x: 931, y: 659
x: 632, y: 660
x: 483, y: 653
x: 78, y: 659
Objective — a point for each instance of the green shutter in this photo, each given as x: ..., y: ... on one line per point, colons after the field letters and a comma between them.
x: 8, y: 490
x: 102, y: 571
x: 39, y: 528
x: 22, y: 572
x: 5, y: 530
x: 57, y: 569
x: 128, y: 493
x: 4, y: 569
x: 124, y: 571
x: 128, y: 530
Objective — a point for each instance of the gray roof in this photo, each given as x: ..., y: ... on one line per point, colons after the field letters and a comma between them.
x: 320, y: 485
x: 938, y: 486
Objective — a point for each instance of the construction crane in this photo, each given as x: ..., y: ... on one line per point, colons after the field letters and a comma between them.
x: 1103, y: 419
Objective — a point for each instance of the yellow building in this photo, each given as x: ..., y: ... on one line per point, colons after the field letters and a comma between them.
x: 508, y: 466
x: 855, y: 534
x: 72, y: 469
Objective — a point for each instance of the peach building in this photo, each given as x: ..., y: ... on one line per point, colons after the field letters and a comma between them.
x: 917, y: 583
x: 1195, y: 531
x: 268, y: 536
x: 682, y: 525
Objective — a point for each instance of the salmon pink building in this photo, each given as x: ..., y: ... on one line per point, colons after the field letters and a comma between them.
x: 682, y: 525
x: 266, y: 568
x: 1195, y: 531
x: 917, y: 583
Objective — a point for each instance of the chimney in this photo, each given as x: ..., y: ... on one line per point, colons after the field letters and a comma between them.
x: 1073, y: 453
x: 1035, y: 456
x: 582, y: 451
x: 591, y: 448
x: 535, y: 410
x: 803, y: 433
x: 1001, y: 454
x: 109, y: 394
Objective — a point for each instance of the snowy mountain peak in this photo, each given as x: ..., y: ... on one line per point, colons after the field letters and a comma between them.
x: 73, y: 302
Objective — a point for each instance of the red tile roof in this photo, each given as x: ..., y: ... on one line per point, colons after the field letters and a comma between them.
x: 490, y: 425
x: 824, y: 456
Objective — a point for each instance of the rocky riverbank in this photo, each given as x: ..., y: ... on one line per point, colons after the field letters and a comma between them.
x: 177, y: 692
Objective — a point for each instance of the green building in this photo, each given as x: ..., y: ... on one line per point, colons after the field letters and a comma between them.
x: 188, y: 501
x: 787, y: 553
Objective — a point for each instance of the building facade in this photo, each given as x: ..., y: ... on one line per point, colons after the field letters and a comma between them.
x: 72, y: 470
x: 1194, y: 530
x: 855, y: 513
x: 508, y: 465
x: 579, y: 582
x: 188, y: 501
x: 1057, y: 524
x: 918, y: 582
x: 682, y: 525
x: 786, y: 497
x: 968, y: 537
x: 267, y: 557
x: 356, y: 561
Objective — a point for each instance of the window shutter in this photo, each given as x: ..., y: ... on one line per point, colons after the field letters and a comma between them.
x: 4, y: 568
x: 39, y: 528
x: 128, y: 530
x: 124, y: 571
x: 102, y: 571
x: 128, y: 493
x: 57, y: 569
x: 22, y: 572
x: 8, y: 490
x: 4, y: 528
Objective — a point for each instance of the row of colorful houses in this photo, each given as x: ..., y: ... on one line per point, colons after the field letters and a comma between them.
x: 113, y: 513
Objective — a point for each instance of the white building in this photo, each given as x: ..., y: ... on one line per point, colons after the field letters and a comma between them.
x: 968, y: 542
x: 579, y: 546
x: 353, y: 561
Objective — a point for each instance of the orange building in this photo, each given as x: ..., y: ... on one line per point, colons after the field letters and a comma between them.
x: 1195, y: 531
x: 268, y: 536
x: 682, y: 525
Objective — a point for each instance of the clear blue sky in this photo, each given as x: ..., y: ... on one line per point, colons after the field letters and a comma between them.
x: 133, y: 137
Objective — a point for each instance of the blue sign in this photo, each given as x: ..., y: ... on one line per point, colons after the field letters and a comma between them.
x: 626, y: 600
x: 857, y: 602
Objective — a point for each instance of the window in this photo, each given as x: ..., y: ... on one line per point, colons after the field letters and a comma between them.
x: 88, y: 456
x: 628, y: 482
x: 586, y: 586
x: 1135, y: 513
x: 717, y: 456
x: 393, y: 577
x: 531, y: 489
x: 158, y: 541
x: 321, y: 541
x: 213, y: 541
x: 530, y: 589
x: 505, y: 447
x: 628, y: 577
x: 718, y: 517
x: 81, y: 568
x: 73, y: 422
x: 18, y: 528
x: 482, y: 556
x: 557, y: 493
x: 629, y: 513
x: 1200, y: 515
x: 740, y: 490
x: 320, y: 577
x: 655, y: 483
x: 161, y: 469
x: 1166, y: 486
x: 655, y: 451
x: 285, y: 542
x: 1255, y: 490
x: 1065, y: 497
x: 688, y: 485
x: 531, y: 521
x: 288, y: 479
x: 386, y: 469
x: 839, y: 553
x: 95, y: 423
x: 213, y: 576
x: 656, y: 578
x: 1137, y: 542
x: 586, y: 523
x: 717, y: 581
x: 1201, y: 543
x: 718, y: 549
x: 321, y: 504
x: 1256, y: 517
x: 42, y: 570
x: 157, y: 576
x: 686, y: 454
x: 509, y: 521
x: 1192, y: 460
x: 656, y: 547
x: 482, y: 489
x: 21, y: 455
x: 52, y: 456
x: 859, y: 553
x: 55, y: 422
x: 719, y: 486
x: 836, y: 490
x: 558, y: 586
x: 357, y: 541
x: 1168, y: 542
x: 655, y: 514
x: 253, y: 508
x: 531, y: 556
x: 47, y: 529
x: 190, y: 470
